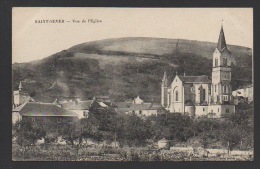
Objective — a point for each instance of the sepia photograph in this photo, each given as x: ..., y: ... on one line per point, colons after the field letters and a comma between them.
x: 132, y: 84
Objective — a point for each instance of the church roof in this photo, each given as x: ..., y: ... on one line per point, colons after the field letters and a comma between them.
x: 165, y: 75
x: 190, y: 103
x: 221, y: 41
x: 20, y: 86
x: 42, y: 109
x: 195, y: 79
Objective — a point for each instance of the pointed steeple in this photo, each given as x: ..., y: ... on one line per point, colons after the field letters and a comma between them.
x: 164, y: 75
x: 221, y: 40
x: 165, y: 79
x: 20, y: 86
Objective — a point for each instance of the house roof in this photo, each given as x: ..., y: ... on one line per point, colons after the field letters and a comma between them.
x: 82, y: 105
x: 133, y: 106
x: 195, y: 79
x: 143, y: 106
x: 121, y: 104
x: 102, y: 104
x: 155, y: 105
x: 42, y: 109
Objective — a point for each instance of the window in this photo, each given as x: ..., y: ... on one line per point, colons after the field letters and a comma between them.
x: 202, y: 95
x: 216, y: 62
x: 203, y: 109
x: 176, y: 96
x: 218, y: 109
x: 225, y: 88
x: 85, y: 114
x: 225, y: 98
x: 215, y: 88
x: 140, y: 112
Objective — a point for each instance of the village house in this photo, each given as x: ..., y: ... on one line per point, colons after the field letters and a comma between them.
x: 245, y: 92
x: 42, y: 112
x: 20, y: 96
x: 105, y: 99
x: 201, y: 95
x: 81, y: 108
x: 138, y: 107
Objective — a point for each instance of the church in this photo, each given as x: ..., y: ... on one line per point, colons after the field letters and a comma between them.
x: 201, y: 95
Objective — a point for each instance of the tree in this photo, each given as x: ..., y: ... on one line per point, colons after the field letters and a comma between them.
x: 27, y: 134
x: 205, y: 141
x: 135, y: 131
x: 173, y: 126
x: 231, y: 137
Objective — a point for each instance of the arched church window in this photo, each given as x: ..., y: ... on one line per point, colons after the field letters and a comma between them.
x: 225, y: 89
x: 216, y: 62
x: 224, y: 61
x: 176, y: 96
x: 202, y: 95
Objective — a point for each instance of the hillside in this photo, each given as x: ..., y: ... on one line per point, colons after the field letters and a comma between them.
x: 122, y: 68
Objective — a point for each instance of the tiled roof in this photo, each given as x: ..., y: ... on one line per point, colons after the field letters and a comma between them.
x: 121, y: 104
x: 155, y: 105
x: 122, y: 110
x: 42, y: 109
x: 144, y: 106
x: 82, y: 105
x: 102, y: 104
x: 195, y: 79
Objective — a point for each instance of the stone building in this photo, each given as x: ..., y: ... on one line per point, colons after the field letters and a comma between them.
x: 202, y: 95
x: 20, y: 96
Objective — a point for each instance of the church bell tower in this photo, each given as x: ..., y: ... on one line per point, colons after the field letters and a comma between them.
x: 221, y: 72
x: 164, y: 89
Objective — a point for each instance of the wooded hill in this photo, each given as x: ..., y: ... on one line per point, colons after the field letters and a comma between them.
x: 123, y: 68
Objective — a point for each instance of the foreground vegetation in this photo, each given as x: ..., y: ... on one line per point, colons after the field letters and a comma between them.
x: 120, y: 135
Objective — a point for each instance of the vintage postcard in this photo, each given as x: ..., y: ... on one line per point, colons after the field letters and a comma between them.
x: 132, y: 84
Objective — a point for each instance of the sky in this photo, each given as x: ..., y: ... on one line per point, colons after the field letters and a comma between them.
x: 33, y: 41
